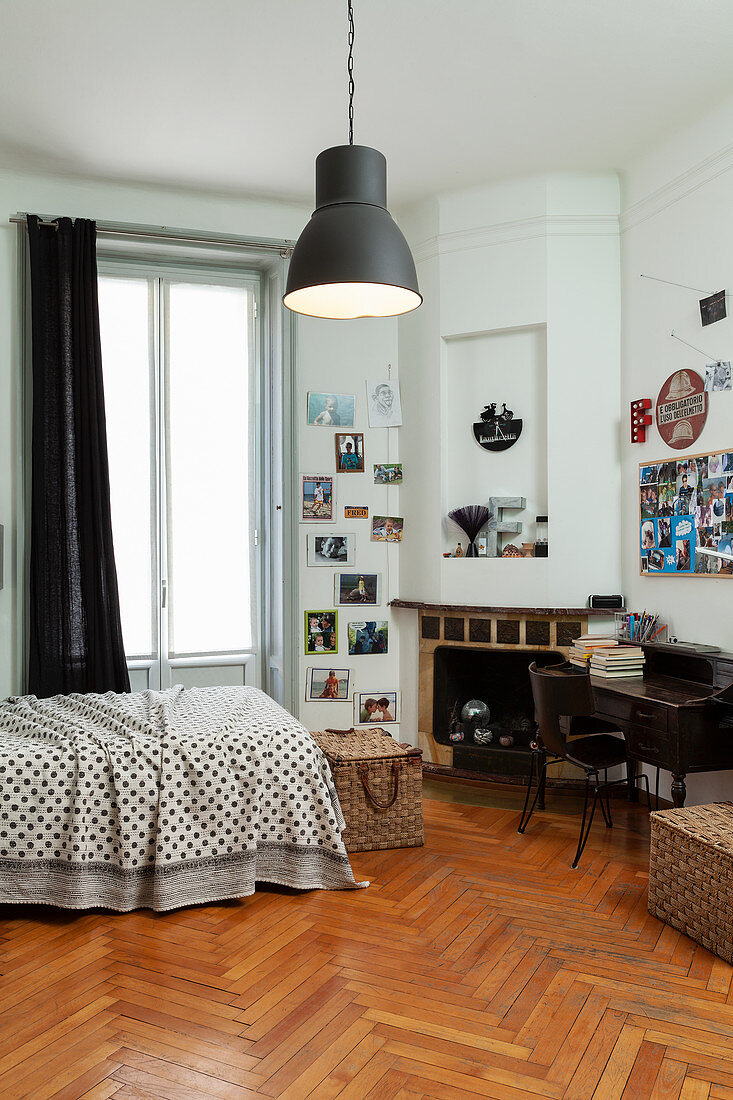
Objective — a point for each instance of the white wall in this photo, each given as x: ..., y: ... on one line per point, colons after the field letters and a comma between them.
x: 541, y: 253
x: 677, y: 225
x: 339, y: 356
x: 102, y: 201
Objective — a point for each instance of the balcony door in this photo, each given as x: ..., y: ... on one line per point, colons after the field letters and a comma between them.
x: 182, y: 389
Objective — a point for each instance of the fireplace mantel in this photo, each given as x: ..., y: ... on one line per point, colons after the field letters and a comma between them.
x: 465, y: 609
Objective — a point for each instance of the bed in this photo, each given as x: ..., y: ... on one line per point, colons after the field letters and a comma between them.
x: 162, y: 799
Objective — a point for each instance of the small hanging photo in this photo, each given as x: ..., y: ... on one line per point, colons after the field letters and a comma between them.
x: 388, y: 473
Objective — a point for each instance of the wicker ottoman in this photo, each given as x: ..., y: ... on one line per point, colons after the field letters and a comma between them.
x: 691, y: 873
x: 379, y: 785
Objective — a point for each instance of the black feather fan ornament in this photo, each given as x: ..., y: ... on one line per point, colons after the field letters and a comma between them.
x: 471, y: 519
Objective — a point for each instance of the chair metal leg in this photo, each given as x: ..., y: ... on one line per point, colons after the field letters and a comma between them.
x: 522, y: 822
x: 606, y: 809
x: 585, y: 829
x: 645, y: 777
x: 541, y: 769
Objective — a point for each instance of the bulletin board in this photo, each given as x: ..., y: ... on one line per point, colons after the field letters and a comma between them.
x: 685, y: 508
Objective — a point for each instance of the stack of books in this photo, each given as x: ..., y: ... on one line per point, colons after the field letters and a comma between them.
x: 624, y: 660
x: 586, y: 645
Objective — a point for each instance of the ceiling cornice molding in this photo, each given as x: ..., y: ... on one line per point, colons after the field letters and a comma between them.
x: 678, y: 188
x: 523, y: 229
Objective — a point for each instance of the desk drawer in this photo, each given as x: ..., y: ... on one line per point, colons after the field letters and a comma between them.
x: 637, y: 712
x: 647, y: 744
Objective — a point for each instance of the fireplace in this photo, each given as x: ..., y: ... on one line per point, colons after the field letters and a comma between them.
x: 484, y: 653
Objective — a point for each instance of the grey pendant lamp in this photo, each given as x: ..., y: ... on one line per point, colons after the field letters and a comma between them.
x: 351, y: 259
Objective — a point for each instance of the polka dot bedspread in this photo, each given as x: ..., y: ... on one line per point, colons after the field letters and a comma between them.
x: 162, y: 799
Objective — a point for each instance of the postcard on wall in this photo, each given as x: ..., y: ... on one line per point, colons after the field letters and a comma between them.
x: 718, y: 377
x: 712, y: 308
x: 383, y: 404
x: 321, y: 632
x: 356, y: 511
x: 387, y: 528
x: 331, y: 410
x: 362, y: 588
x: 379, y: 707
x: 333, y: 550
x: 350, y: 452
x: 327, y: 684
x: 317, y: 498
x: 368, y: 638
x: 388, y: 473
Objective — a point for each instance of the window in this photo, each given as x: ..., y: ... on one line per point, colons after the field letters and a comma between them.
x: 180, y: 355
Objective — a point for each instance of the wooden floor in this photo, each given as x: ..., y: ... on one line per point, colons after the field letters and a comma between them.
x: 479, y: 965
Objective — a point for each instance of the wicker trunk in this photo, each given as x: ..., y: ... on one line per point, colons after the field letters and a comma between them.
x: 379, y: 785
x: 691, y: 874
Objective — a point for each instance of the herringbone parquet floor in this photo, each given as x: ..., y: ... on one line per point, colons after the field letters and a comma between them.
x: 479, y: 965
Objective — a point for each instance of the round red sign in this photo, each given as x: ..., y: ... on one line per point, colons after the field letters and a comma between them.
x: 682, y: 409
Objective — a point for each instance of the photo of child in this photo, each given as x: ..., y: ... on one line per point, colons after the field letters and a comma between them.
x: 381, y: 707
x: 321, y: 632
x: 317, y: 497
x: 331, y: 410
x: 647, y: 536
x: 327, y: 684
x: 350, y: 453
x: 387, y: 528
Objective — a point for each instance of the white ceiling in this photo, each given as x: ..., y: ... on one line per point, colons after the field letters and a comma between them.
x: 240, y: 95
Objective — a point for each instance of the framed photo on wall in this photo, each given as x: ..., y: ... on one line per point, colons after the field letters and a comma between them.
x: 379, y: 707
x: 358, y: 588
x: 321, y: 632
x: 317, y: 498
x: 333, y: 549
x: 327, y: 685
x: 350, y: 452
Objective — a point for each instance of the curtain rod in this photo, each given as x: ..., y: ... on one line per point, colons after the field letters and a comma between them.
x: 183, y: 236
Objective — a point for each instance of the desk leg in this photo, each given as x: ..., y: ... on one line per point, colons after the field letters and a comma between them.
x: 632, y: 790
x: 679, y: 790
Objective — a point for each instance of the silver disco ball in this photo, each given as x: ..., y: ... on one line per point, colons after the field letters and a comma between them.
x: 475, y: 710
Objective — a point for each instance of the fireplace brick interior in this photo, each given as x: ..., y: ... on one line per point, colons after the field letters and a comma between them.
x: 500, y: 678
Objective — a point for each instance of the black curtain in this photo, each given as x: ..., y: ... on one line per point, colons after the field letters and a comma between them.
x: 75, y: 631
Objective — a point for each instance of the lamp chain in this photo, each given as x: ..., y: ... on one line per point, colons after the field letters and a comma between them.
x: 350, y: 67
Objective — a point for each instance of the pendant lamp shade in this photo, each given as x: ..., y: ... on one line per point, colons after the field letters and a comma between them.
x: 351, y: 259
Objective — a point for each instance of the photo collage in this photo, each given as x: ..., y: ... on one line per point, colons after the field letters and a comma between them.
x: 686, y: 516
x: 338, y: 549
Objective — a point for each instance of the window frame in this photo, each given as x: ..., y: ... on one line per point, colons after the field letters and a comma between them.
x: 159, y: 275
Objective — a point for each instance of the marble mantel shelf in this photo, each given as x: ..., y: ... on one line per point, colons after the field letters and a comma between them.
x: 443, y: 608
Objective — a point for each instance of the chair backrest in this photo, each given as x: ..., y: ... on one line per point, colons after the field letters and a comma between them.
x: 558, y: 693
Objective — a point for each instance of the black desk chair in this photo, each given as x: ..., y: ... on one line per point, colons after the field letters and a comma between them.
x: 560, y: 691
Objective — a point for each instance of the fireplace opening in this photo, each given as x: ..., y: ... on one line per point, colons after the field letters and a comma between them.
x: 500, y: 679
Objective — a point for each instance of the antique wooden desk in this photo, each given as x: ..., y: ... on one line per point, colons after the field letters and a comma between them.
x: 673, y: 719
